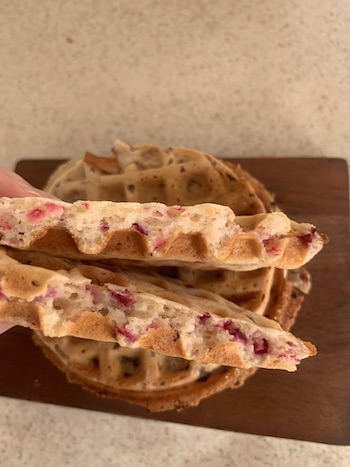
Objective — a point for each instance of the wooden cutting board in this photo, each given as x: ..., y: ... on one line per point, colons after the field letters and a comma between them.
x: 312, y: 404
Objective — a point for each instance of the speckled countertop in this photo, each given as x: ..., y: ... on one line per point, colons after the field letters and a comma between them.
x: 230, y: 78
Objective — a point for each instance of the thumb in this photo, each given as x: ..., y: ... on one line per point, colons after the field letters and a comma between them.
x: 14, y: 186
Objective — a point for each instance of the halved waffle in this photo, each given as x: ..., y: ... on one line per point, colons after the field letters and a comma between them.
x: 140, y: 309
x: 149, y: 379
x: 204, y: 236
x: 126, y: 175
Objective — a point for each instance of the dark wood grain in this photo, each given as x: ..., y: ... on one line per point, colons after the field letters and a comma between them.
x: 312, y: 404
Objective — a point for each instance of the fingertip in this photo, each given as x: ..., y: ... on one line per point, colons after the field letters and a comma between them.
x: 13, y: 185
x: 5, y: 327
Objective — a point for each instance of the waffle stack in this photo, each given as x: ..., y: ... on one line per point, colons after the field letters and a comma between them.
x: 182, y: 177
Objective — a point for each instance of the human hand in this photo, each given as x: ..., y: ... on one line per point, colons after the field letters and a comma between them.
x: 14, y: 186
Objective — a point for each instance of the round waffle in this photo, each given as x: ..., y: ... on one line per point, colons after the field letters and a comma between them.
x: 150, y: 173
x: 171, y: 176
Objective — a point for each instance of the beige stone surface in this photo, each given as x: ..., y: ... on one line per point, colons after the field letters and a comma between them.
x: 233, y: 78
x: 48, y: 436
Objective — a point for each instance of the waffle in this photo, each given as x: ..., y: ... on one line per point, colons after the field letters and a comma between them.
x: 152, y: 380
x: 138, y: 309
x: 204, y: 236
x: 264, y: 291
x: 145, y: 378
x: 153, y: 174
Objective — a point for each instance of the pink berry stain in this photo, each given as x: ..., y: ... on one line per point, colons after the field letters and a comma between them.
x: 306, y: 239
x: 104, y: 226
x: 53, y: 207
x: 4, y: 225
x: 52, y: 292
x: 35, y: 214
x: 159, y: 243
x: 203, y: 318
x: 126, y: 333
x: 93, y: 293
x: 48, y: 208
x: 235, y: 331
x: 124, y: 298
x: 139, y: 228
x: 270, y: 245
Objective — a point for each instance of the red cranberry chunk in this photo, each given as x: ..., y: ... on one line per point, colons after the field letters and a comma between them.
x: 305, y: 239
x: 53, y: 207
x: 35, y: 214
x: 104, y: 226
x: 203, y: 318
x: 126, y: 333
x: 139, y: 228
x: 235, y: 331
x: 124, y: 298
x: 260, y: 346
x: 271, y: 245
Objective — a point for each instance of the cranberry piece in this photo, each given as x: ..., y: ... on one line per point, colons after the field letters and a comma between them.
x: 270, y: 245
x: 126, y: 333
x: 260, y: 346
x: 104, y: 226
x: 235, y: 331
x: 139, y: 228
x: 35, y: 214
x: 124, y: 298
x: 51, y: 292
x: 203, y: 318
x: 306, y: 239
x: 52, y: 207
